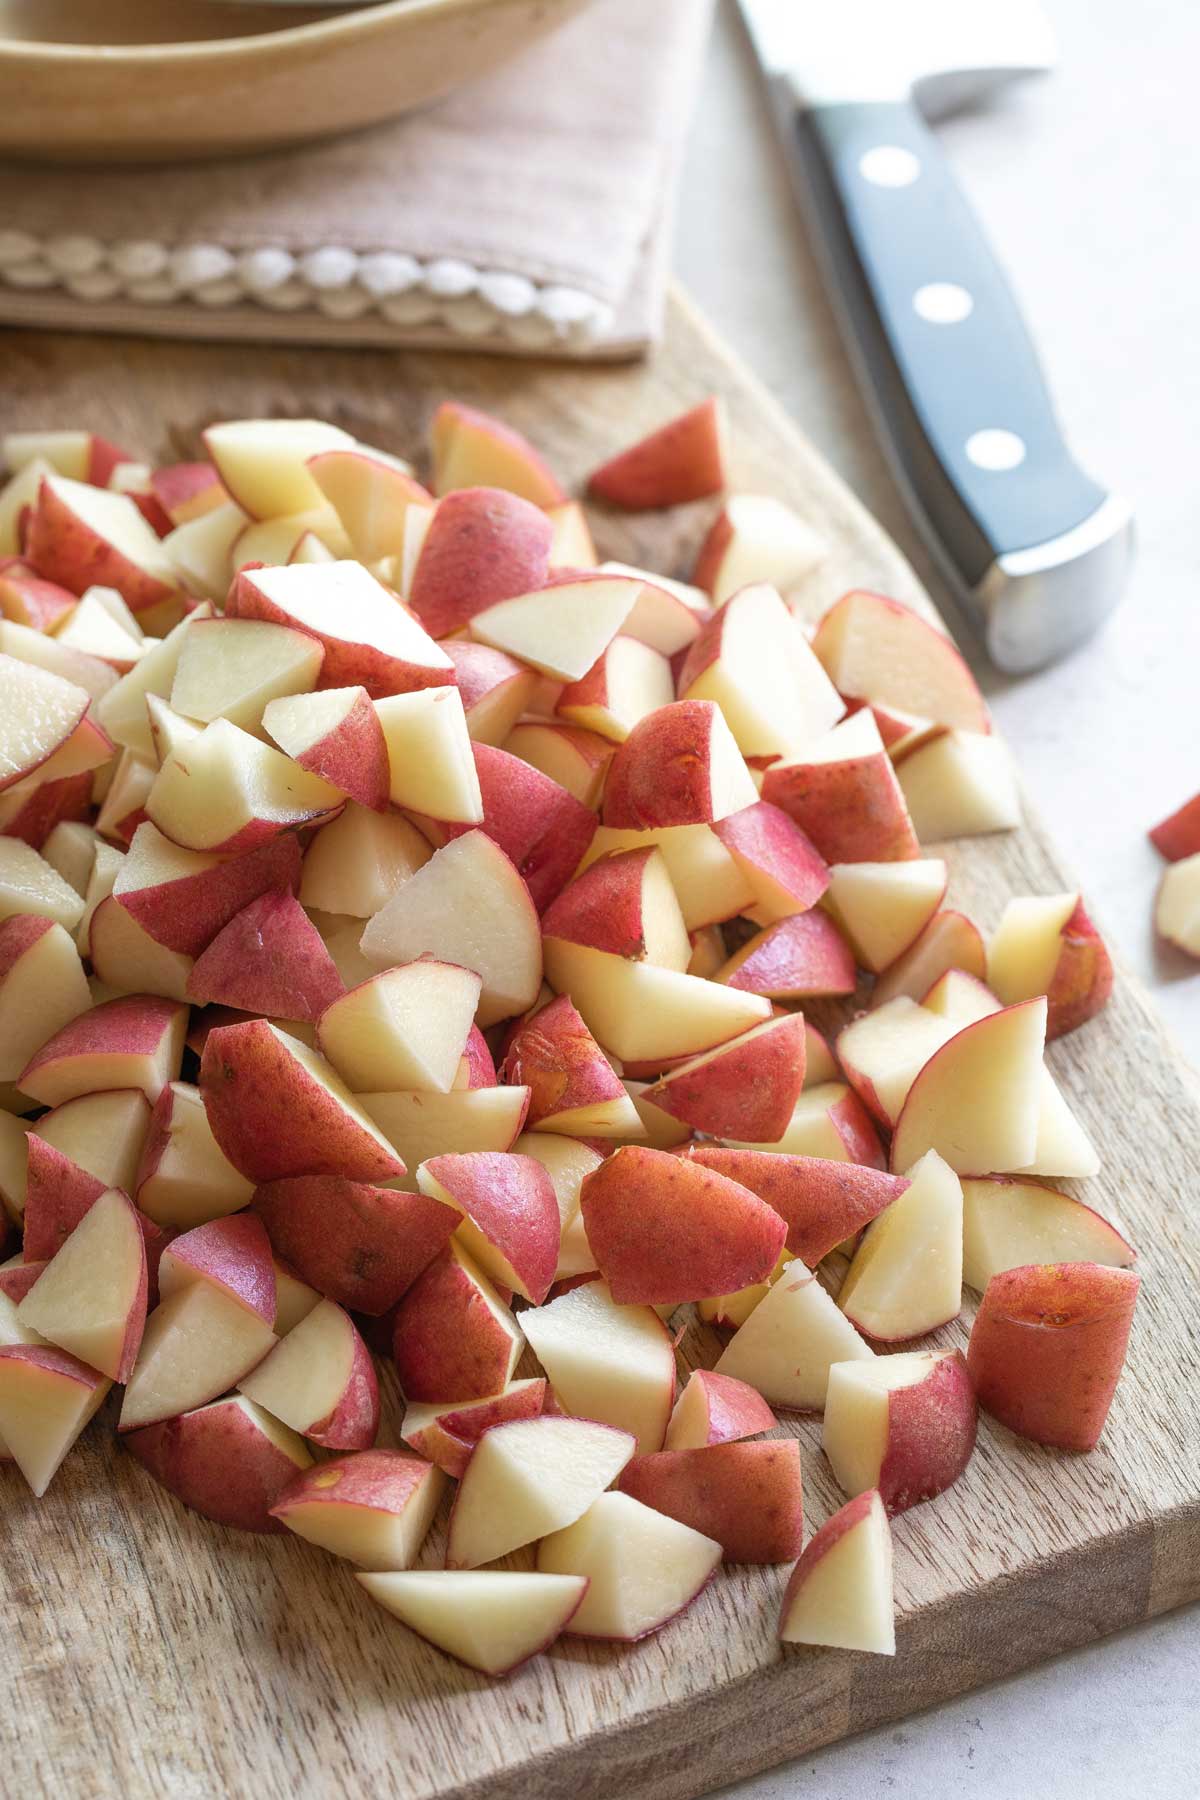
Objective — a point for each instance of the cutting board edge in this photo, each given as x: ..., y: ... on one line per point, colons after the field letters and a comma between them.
x: 1102, y: 1588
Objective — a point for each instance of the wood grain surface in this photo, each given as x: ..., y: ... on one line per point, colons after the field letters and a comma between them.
x: 146, y: 1652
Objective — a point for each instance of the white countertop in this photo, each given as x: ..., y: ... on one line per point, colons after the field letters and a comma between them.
x: 1089, y: 184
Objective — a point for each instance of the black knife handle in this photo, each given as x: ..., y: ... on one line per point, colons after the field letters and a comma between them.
x: 942, y: 349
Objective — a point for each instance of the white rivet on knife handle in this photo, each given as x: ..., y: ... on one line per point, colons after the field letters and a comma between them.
x: 889, y: 165
x: 943, y: 303
x: 996, y: 449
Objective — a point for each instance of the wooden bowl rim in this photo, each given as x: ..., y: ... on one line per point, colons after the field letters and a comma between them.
x: 265, y: 46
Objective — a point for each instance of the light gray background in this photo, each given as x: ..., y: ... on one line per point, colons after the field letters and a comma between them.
x: 1089, y: 184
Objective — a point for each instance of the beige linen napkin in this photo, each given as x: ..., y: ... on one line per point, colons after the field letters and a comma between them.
x: 526, y: 213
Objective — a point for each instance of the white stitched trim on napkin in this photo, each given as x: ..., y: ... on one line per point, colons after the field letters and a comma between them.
x: 339, y: 283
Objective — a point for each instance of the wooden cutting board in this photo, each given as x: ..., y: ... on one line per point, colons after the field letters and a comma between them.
x: 148, y: 1653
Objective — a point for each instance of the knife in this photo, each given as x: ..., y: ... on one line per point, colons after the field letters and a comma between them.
x: 1037, y: 551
